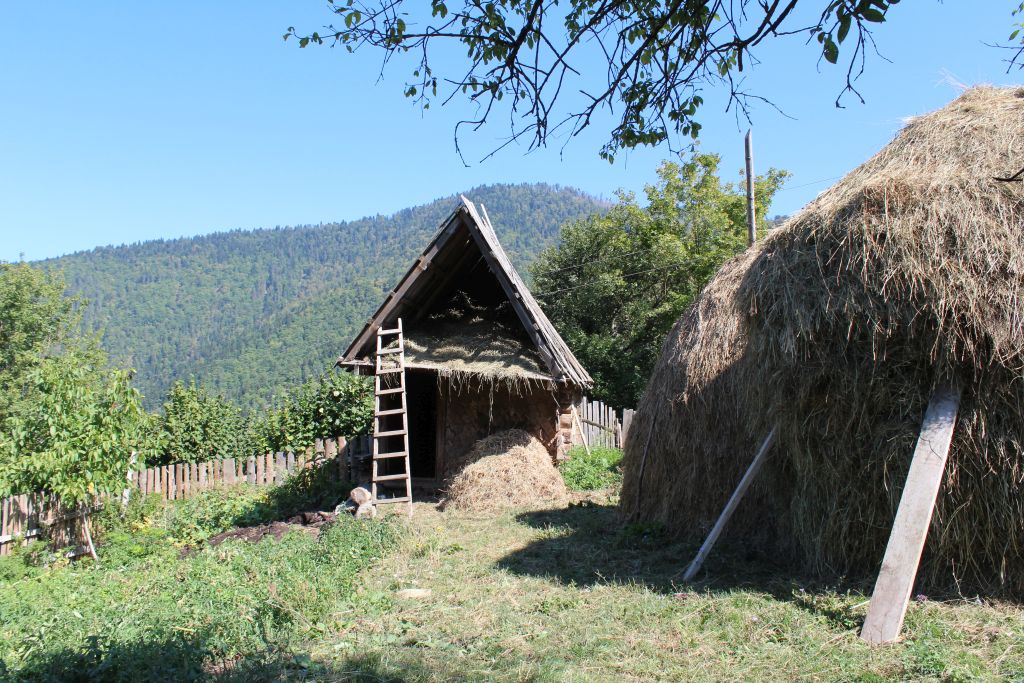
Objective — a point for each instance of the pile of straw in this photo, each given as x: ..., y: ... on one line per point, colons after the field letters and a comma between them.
x: 836, y: 328
x: 510, y: 469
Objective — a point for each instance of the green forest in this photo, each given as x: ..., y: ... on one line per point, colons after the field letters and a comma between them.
x: 249, y: 314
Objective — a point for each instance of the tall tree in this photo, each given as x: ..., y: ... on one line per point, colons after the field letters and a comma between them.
x: 533, y: 56
x: 36, y: 320
x: 618, y: 281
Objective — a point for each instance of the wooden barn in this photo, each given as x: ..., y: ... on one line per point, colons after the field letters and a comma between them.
x: 479, y: 356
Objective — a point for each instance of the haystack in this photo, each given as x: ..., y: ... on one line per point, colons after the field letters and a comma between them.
x: 510, y: 469
x: 836, y: 328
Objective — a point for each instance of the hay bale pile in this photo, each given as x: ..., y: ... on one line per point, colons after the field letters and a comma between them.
x: 836, y: 328
x: 510, y: 469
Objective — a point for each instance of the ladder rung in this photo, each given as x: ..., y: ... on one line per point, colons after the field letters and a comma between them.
x: 381, y: 352
x: 396, y: 432
x: 385, y: 456
x: 381, y: 371
x: 392, y: 477
x: 394, y: 330
x: 396, y: 390
x: 385, y: 501
x: 385, y: 413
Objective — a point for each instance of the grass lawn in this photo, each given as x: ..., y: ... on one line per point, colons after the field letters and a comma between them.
x: 567, y: 595
x: 561, y: 595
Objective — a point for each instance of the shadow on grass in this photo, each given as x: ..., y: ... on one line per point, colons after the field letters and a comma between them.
x: 587, y: 544
x: 187, y: 658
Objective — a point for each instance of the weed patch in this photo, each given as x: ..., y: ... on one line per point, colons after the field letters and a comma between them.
x: 145, y: 612
x: 599, y: 469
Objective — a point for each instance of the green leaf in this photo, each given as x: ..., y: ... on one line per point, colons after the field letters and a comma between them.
x: 874, y: 15
x: 831, y: 51
x: 844, y: 27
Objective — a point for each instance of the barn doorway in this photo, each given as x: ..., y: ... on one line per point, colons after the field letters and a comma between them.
x: 421, y: 394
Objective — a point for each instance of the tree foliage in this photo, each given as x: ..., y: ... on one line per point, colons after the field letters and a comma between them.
x: 76, y: 436
x: 618, y: 281
x: 197, y: 426
x: 36, y: 320
x: 332, y: 405
x: 533, y: 55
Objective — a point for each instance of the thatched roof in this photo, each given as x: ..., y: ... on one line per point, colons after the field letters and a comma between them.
x: 465, y: 252
x: 835, y: 328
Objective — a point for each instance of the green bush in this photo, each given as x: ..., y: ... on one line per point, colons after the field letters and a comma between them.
x: 197, y: 426
x: 332, y: 405
x: 600, y: 469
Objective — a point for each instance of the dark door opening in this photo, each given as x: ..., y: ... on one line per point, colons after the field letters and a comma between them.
x: 421, y: 393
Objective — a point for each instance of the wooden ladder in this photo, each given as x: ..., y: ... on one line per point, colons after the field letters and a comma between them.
x: 389, y: 404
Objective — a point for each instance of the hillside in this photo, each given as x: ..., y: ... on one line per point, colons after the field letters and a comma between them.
x: 250, y: 312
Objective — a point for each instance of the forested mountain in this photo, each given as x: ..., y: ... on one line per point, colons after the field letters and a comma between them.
x: 250, y: 312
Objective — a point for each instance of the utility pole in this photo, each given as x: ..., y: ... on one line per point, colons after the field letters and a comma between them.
x: 751, y: 224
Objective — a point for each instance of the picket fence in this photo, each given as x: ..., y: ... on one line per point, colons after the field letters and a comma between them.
x: 601, y: 425
x: 25, y: 517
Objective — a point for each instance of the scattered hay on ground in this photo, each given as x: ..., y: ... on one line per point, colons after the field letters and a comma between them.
x: 510, y: 469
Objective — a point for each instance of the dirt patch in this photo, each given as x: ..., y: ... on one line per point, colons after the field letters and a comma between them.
x: 310, y: 522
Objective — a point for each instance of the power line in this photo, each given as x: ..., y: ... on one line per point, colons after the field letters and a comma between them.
x: 813, y: 182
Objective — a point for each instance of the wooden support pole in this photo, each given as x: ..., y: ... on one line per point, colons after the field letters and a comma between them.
x: 910, y: 529
x: 751, y: 217
x: 730, y: 507
x: 579, y: 425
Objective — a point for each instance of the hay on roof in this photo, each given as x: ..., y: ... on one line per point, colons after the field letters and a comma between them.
x: 464, y: 340
x: 836, y: 328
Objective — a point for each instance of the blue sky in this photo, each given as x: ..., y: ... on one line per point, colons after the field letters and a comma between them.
x: 124, y: 122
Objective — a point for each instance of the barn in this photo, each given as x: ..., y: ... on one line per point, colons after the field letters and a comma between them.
x: 480, y: 354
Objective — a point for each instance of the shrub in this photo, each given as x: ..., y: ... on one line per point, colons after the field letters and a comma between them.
x: 332, y: 405
x: 600, y: 469
x: 197, y: 426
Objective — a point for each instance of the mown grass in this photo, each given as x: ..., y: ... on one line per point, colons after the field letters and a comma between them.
x: 570, y: 595
x: 555, y: 595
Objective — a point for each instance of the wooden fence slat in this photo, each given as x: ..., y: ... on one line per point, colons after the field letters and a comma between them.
x: 229, y: 471
x: 18, y: 515
x: 280, y: 463
x: 291, y: 462
x: 250, y: 469
x: 261, y: 467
